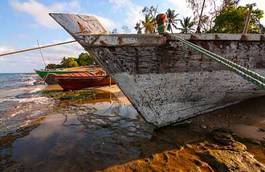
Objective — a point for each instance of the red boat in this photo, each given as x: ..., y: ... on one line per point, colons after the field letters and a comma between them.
x: 77, y: 81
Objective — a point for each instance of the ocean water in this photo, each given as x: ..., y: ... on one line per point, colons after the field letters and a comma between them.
x: 88, y: 129
x: 17, y: 80
x: 19, y: 101
x: 47, y: 129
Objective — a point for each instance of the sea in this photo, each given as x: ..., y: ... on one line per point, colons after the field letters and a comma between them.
x: 43, y: 128
x: 55, y: 130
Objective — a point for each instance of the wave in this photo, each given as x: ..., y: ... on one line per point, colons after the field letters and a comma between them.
x: 9, y: 81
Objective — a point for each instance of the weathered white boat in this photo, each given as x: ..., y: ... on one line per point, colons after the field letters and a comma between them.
x: 164, y: 80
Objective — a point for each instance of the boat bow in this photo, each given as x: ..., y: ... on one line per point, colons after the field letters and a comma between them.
x: 164, y: 80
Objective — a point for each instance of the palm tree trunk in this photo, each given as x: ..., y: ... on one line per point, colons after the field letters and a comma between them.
x: 247, y: 20
x: 198, y: 30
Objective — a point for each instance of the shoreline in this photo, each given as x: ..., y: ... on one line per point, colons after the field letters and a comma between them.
x: 100, y: 125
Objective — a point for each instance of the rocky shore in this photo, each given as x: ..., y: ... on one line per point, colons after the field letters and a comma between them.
x: 98, y: 130
x: 220, y: 153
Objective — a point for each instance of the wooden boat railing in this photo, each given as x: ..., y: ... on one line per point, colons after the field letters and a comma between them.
x: 244, y: 72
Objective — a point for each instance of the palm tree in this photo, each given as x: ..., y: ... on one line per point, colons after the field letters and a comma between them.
x: 172, y: 20
x: 138, y: 28
x: 149, y: 24
x: 198, y: 30
x: 186, y: 25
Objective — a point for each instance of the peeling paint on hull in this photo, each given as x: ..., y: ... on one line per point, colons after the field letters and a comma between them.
x: 168, y: 82
x: 167, y: 98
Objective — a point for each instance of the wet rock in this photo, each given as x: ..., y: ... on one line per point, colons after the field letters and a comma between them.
x: 222, y: 136
x: 204, y: 156
x: 223, y: 159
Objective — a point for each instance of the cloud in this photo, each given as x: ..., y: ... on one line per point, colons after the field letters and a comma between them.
x: 106, y: 22
x: 26, y: 62
x: 120, y: 3
x: 181, y: 7
x: 131, y: 10
x: 40, y: 12
x: 4, y: 49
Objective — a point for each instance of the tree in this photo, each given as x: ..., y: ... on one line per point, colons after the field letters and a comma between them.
x: 150, y: 12
x: 53, y: 66
x: 198, y: 30
x: 186, y: 25
x: 138, y: 28
x: 227, y: 3
x: 172, y: 20
x: 149, y: 24
x: 69, y: 62
x: 231, y: 20
x: 85, y: 59
x: 204, y: 12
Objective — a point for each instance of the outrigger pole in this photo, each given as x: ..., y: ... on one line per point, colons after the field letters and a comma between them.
x: 36, y: 48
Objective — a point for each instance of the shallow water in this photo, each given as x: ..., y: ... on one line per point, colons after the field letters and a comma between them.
x: 95, y: 129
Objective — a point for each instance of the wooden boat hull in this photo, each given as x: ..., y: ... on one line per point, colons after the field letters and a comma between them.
x: 45, y: 75
x: 79, y: 81
x: 164, y: 80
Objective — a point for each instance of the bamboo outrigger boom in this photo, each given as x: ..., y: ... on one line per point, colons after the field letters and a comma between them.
x: 36, y: 48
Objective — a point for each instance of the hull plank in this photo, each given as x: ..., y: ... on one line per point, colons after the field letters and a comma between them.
x: 167, y: 98
x: 168, y: 82
x: 80, y: 83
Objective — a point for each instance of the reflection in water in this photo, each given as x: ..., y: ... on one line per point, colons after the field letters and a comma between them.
x: 84, y: 131
x: 90, y: 130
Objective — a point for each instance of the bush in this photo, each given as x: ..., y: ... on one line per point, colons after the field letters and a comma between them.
x: 85, y: 59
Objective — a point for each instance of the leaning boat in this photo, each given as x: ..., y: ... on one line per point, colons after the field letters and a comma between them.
x: 77, y: 81
x: 167, y: 81
x: 45, y: 74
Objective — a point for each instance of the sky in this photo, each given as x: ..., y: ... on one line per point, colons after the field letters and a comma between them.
x: 24, y: 23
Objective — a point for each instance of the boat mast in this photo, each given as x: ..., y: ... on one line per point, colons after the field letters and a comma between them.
x: 41, y: 55
x: 36, y: 48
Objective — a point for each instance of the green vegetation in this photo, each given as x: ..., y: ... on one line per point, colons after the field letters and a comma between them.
x: 172, y: 20
x: 149, y: 24
x: 232, y: 18
x: 84, y: 59
x: 68, y: 95
x: 186, y: 25
x: 208, y: 17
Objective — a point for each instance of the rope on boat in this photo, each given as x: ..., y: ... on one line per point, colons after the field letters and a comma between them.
x: 244, y: 72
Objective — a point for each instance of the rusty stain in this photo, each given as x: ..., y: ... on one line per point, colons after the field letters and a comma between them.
x: 81, y: 27
x: 262, y: 37
x: 193, y: 37
x: 244, y: 38
x: 119, y: 40
x: 216, y: 37
x: 103, y: 43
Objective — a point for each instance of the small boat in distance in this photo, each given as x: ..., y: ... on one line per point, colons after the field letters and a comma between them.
x: 45, y: 73
x: 77, y: 81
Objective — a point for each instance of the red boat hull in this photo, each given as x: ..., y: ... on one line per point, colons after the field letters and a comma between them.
x: 77, y: 84
x: 79, y: 81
